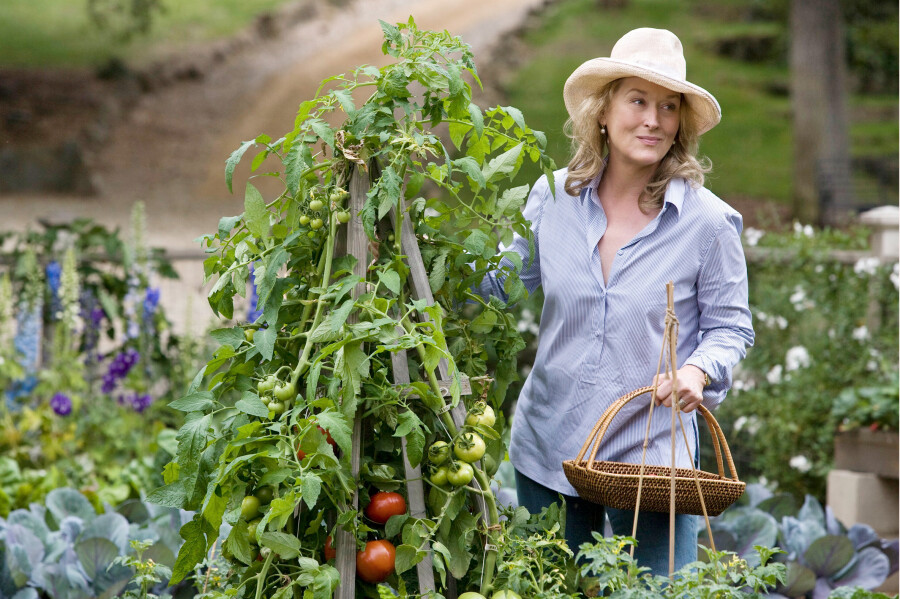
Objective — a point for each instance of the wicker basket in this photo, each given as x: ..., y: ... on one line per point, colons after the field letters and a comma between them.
x: 615, y: 484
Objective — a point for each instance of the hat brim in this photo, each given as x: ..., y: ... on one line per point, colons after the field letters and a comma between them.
x: 592, y: 75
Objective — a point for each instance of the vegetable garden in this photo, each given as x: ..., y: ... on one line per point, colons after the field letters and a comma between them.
x: 348, y: 439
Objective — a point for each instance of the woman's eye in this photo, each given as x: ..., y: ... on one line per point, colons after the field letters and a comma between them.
x: 637, y: 101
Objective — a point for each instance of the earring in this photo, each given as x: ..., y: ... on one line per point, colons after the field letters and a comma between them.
x: 602, y: 129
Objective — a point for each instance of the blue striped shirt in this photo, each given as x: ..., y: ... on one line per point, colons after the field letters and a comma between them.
x: 600, y: 341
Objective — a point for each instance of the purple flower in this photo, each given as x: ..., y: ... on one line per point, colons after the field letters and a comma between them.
x: 121, y: 365
x: 252, y: 312
x: 141, y: 401
x: 53, y: 271
x: 151, y: 301
x: 61, y: 404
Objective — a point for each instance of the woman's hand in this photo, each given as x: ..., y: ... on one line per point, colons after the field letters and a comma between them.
x: 691, y: 381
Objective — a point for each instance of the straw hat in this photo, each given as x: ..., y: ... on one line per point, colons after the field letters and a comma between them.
x: 655, y: 55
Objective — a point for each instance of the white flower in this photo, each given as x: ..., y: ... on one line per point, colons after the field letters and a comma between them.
x: 797, y: 357
x: 739, y: 423
x: 872, y: 366
x: 774, y: 375
x: 866, y: 266
x: 861, y: 333
x: 895, y: 275
x: 753, y: 235
x: 750, y: 422
x: 806, y: 230
x: 799, y: 300
x: 781, y: 322
x: 801, y: 463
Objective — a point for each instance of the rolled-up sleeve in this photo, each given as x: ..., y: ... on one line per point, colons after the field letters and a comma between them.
x: 726, y: 328
x: 493, y: 282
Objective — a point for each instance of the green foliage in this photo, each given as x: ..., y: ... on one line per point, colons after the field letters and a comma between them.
x: 60, y: 33
x: 871, y: 406
x: 53, y: 326
x: 610, y: 571
x: 824, y: 329
x: 332, y: 349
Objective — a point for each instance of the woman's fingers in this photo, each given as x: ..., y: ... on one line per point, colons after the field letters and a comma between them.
x: 690, y: 389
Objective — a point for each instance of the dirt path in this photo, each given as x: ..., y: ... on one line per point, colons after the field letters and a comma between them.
x: 169, y: 151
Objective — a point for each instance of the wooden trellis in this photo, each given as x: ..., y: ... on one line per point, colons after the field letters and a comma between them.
x: 419, y: 288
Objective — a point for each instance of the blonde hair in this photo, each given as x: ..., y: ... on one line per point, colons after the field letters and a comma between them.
x: 589, y: 150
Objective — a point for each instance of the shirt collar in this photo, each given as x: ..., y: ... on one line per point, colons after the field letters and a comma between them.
x: 675, y: 192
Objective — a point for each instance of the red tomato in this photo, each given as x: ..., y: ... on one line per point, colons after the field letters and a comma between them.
x: 330, y: 552
x: 376, y: 562
x: 384, y: 505
x: 327, y: 436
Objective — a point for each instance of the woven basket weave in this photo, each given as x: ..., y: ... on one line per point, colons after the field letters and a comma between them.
x: 615, y: 484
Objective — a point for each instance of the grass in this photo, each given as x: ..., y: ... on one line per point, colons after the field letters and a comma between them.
x: 751, y: 149
x: 59, y: 33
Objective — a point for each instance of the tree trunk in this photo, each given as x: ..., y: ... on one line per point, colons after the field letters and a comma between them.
x: 823, y: 191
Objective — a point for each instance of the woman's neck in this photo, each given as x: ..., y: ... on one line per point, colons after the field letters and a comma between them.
x: 622, y: 185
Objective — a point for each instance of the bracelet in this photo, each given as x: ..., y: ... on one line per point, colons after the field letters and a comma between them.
x: 706, y: 380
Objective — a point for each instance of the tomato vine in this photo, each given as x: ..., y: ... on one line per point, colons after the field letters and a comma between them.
x: 270, y: 415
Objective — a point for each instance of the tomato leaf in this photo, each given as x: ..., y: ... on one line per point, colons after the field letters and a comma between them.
x: 250, y: 403
x: 233, y: 160
x: 195, y: 402
x: 310, y: 487
x: 337, y: 426
x: 407, y: 557
x: 255, y: 212
x: 285, y: 545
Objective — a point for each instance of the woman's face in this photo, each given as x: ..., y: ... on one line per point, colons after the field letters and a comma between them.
x: 641, y: 122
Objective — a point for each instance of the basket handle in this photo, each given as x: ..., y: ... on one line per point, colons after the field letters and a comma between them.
x: 596, y: 435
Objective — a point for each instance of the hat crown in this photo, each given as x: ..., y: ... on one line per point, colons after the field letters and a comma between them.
x: 656, y: 49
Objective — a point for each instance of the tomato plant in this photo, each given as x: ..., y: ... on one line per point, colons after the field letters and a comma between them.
x: 332, y: 346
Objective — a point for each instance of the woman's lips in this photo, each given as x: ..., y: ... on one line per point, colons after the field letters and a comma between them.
x: 650, y: 141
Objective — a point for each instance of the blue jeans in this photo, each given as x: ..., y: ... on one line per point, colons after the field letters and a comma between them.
x: 584, y: 517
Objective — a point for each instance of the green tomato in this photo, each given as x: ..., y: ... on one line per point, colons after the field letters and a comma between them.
x: 304, y: 220
x: 439, y: 476
x: 490, y: 464
x: 460, y: 473
x: 482, y: 414
x: 315, y: 205
x: 506, y: 595
x: 335, y: 197
x: 248, y: 334
x: 472, y: 595
x: 285, y: 392
x: 343, y: 217
x: 438, y: 453
x: 249, y: 507
x: 469, y: 447
x: 264, y: 494
x: 267, y: 384
x: 252, y: 527
x: 277, y: 407
x: 316, y: 223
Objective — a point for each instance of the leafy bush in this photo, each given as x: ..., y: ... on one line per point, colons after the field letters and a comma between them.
x: 823, y: 327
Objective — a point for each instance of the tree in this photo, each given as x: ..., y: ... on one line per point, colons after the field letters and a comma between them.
x: 823, y: 190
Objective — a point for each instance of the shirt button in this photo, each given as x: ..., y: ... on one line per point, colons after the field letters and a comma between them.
x: 620, y: 252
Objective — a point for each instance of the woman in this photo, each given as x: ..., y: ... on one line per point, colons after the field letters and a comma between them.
x: 628, y: 214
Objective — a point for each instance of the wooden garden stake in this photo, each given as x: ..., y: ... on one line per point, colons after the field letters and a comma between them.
x: 357, y: 246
